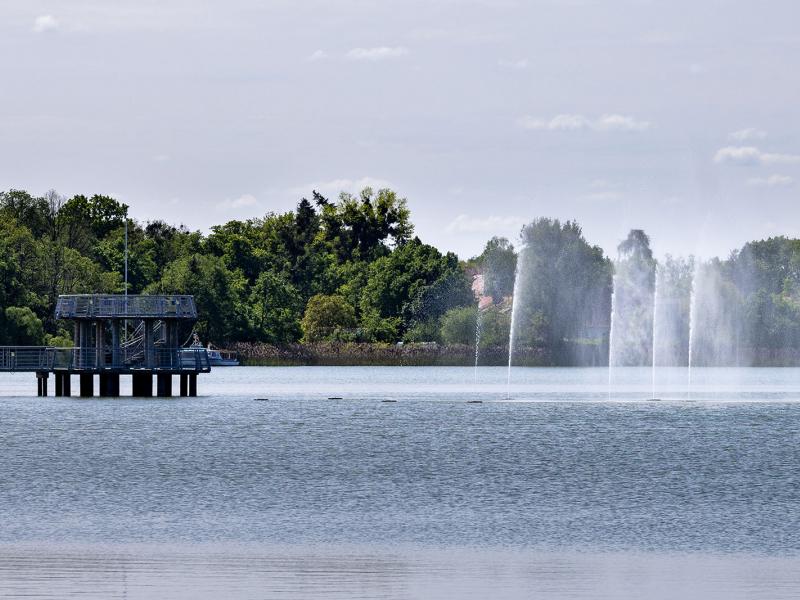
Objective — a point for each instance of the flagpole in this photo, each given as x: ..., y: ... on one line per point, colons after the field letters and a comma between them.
x: 126, y: 272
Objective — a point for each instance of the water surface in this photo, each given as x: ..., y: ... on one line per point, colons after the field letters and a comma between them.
x: 558, y: 485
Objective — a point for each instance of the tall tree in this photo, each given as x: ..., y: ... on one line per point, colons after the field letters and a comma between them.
x: 563, y: 282
x: 498, y: 263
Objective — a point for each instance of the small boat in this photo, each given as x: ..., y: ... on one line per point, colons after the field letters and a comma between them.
x: 217, y: 357
x: 222, y: 358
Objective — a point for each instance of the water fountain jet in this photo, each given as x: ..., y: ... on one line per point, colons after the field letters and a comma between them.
x: 515, y: 305
x: 478, y: 330
x: 655, y: 323
x: 692, y: 316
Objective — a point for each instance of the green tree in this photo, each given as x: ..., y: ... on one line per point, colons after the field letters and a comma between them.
x: 328, y: 318
x: 495, y: 326
x: 564, y: 287
x: 30, y: 212
x: 366, y: 227
x: 277, y: 307
x: 84, y: 220
x: 498, y: 263
x: 217, y: 292
x: 413, y: 284
x: 459, y: 325
x: 23, y: 327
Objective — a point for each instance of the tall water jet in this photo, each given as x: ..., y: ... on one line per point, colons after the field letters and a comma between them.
x: 633, y: 302
x: 611, y: 321
x: 478, y: 330
x: 655, y: 323
x: 515, y: 304
x: 692, y: 317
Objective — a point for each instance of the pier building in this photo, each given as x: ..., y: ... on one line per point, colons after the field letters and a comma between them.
x: 116, y: 335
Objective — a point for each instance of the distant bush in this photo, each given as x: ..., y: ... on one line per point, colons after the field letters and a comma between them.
x: 329, y: 318
x: 458, y: 325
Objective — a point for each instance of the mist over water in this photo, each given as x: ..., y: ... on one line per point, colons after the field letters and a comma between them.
x: 574, y: 306
x: 719, y: 322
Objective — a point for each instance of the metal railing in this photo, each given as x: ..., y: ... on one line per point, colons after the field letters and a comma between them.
x: 100, y: 306
x: 24, y: 358
x: 41, y: 358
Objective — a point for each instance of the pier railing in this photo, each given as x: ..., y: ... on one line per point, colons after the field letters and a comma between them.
x: 43, y: 358
x: 115, y: 306
x: 24, y: 358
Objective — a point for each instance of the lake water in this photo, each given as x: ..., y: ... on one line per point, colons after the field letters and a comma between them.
x: 559, y: 486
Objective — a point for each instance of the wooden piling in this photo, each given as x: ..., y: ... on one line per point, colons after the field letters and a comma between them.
x: 87, y: 385
x: 164, y: 385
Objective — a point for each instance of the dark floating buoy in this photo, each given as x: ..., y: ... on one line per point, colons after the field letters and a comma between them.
x: 261, y: 399
x: 654, y: 399
x: 474, y: 401
x: 388, y: 400
x: 335, y: 398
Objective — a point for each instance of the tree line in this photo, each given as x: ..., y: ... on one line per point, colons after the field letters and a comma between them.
x: 343, y: 270
x: 351, y: 270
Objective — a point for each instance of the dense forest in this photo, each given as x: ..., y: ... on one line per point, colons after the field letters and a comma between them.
x: 348, y: 270
x: 351, y: 270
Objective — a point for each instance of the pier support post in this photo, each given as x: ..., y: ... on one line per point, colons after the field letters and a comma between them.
x: 41, y: 383
x: 164, y: 385
x: 67, y: 384
x: 193, y: 384
x: 87, y: 385
x: 143, y: 384
x: 148, y: 343
x: 109, y: 385
x: 59, y: 384
x: 184, y: 384
x: 116, y: 358
x: 99, y: 349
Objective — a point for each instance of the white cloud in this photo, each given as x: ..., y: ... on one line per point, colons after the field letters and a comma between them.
x: 567, y: 122
x: 514, y: 64
x: 318, y: 55
x: 333, y: 187
x: 557, y: 123
x: 780, y: 159
x: 375, y: 54
x: 746, y: 135
x: 771, y: 181
x: 243, y: 201
x: 738, y: 155
x: 620, y: 123
x: 751, y: 156
x: 44, y: 23
x: 493, y: 224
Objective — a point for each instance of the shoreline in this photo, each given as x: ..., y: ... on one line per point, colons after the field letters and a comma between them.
x: 431, y: 354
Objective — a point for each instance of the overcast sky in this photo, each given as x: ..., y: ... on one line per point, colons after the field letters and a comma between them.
x: 678, y: 117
